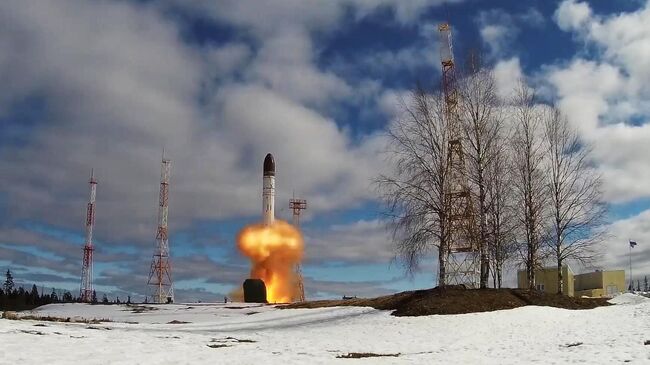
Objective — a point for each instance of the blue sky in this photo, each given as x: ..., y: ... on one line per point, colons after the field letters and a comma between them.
x: 107, y: 84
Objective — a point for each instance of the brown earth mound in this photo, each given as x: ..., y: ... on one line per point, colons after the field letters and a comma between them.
x: 457, y: 300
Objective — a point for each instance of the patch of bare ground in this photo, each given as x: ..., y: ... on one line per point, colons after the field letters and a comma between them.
x: 457, y: 300
x: 359, y: 355
x: 139, y: 308
x: 217, y: 345
x: 16, y: 317
x: 33, y: 332
x: 232, y: 339
x: 177, y: 322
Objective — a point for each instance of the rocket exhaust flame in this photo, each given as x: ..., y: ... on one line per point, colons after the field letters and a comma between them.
x: 273, y: 246
x: 274, y: 250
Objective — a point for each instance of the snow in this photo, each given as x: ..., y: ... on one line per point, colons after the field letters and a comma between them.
x: 316, y: 336
x: 628, y: 298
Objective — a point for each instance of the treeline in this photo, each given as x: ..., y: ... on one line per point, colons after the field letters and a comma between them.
x: 640, y: 287
x: 17, y: 298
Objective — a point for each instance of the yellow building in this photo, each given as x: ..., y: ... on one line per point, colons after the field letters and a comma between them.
x: 546, y: 280
x: 600, y: 283
x: 592, y: 284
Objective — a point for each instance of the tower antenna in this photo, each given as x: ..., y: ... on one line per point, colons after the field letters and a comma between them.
x: 160, y: 274
x: 86, y: 290
x: 461, y: 249
x: 298, y: 205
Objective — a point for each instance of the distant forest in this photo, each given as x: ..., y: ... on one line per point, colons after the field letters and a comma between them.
x: 18, y: 298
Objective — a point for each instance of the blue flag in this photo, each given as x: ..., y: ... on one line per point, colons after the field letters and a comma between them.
x: 632, y: 243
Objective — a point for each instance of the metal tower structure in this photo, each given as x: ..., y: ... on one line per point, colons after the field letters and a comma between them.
x: 160, y: 274
x: 86, y: 291
x: 298, y: 205
x: 461, y: 261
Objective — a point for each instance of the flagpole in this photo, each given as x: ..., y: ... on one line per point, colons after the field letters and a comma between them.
x: 631, y: 283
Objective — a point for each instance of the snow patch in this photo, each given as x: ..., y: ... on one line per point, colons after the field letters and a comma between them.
x: 252, y: 334
x: 628, y: 298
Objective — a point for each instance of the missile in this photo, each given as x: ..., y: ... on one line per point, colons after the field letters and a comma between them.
x: 268, y: 190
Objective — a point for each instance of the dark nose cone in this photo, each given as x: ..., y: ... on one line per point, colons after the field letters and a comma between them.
x: 269, y: 165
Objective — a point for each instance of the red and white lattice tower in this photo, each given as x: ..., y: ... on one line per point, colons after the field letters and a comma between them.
x: 86, y: 291
x: 160, y: 274
x: 298, y: 205
x: 461, y: 261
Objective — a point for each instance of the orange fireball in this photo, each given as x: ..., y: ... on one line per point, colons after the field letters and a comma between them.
x: 274, y: 251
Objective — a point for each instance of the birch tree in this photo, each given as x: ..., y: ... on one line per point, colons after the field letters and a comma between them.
x: 480, y: 114
x: 577, y: 208
x: 528, y: 177
x: 414, y: 194
x: 500, y: 218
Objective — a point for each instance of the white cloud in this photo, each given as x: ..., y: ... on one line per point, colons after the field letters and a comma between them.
x: 636, y: 228
x: 408, y: 58
x: 571, y: 15
x: 498, y: 29
x: 120, y: 84
x: 285, y: 62
x: 496, y: 36
x: 360, y: 241
x: 585, y: 89
x: 606, y: 97
x: 391, y: 102
x: 507, y: 74
x: 532, y: 17
x: 227, y: 60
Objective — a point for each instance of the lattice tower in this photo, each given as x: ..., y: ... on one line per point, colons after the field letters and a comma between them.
x: 298, y: 205
x: 160, y: 274
x: 86, y: 290
x: 461, y: 261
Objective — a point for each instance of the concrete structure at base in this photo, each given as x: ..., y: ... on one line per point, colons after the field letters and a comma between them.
x: 254, y: 291
x: 592, y: 284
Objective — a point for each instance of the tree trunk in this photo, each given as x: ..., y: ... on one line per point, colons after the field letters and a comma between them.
x: 560, y: 278
x: 442, y: 264
x: 530, y: 268
x: 485, y: 260
x: 499, y: 279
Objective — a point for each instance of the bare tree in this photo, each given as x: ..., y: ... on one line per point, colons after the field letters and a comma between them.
x: 576, y: 204
x: 480, y: 114
x: 500, y: 219
x: 528, y: 182
x: 415, y: 193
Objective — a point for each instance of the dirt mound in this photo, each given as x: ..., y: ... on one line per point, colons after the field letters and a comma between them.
x: 457, y: 300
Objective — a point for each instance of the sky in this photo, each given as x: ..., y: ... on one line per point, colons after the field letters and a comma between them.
x: 107, y: 84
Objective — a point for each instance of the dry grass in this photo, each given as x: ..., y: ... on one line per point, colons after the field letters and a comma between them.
x: 15, y: 317
x: 10, y: 315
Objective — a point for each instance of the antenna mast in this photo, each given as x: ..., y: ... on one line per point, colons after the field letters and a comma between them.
x: 461, y: 264
x: 160, y: 274
x: 85, y: 293
x: 298, y: 205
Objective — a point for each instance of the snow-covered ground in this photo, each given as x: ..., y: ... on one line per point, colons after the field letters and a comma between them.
x: 248, y: 334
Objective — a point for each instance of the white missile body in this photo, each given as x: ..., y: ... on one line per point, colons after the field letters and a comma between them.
x: 268, y: 190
